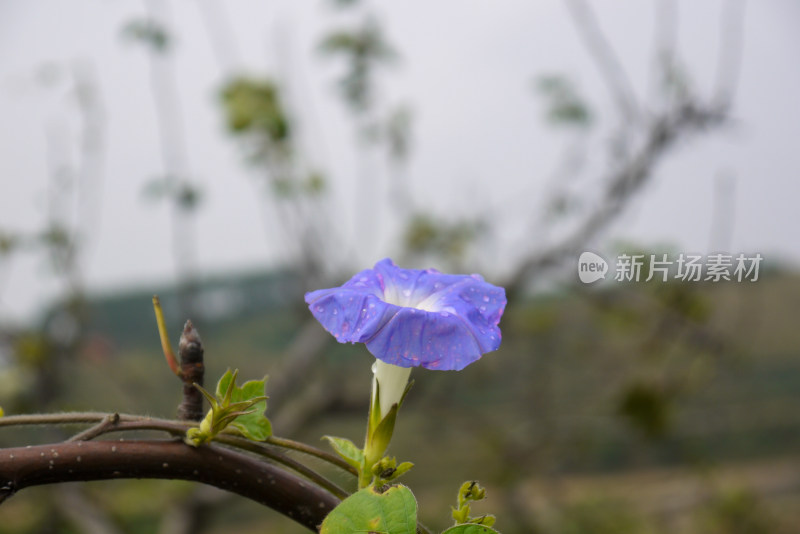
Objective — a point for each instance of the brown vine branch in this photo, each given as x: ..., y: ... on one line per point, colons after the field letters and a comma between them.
x: 121, y: 423
x: 23, y: 467
x: 127, y: 422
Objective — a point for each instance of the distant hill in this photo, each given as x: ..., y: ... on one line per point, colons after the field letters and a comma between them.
x: 126, y: 317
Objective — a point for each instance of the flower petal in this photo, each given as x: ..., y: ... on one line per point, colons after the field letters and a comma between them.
x: 410, y: 317
x: 349, y: 315
x: 434, y: 340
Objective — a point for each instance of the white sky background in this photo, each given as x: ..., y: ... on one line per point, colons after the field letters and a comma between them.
x: 479, y: 138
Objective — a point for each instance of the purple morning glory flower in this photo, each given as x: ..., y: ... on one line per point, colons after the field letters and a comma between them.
x: 410, y: 317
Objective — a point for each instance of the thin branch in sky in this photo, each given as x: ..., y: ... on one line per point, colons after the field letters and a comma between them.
x: 665, y: 43
x: 92, y: 150
x: 221, y: 35
x: 606, y: 59
x: 731, y: 43
x: 172, y: 142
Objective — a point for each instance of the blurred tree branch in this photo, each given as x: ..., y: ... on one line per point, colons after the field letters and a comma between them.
x: 174, y: 184
x: 605, y: 58
x: 644, y: 136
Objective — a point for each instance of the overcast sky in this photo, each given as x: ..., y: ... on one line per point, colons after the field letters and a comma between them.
x: 466, y: 69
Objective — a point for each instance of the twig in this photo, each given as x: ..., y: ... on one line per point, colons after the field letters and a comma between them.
x: 730, y: 51
x: 73, y: 418
x: 83, y: 512
x: 23, y: 467
x: 190, y: 349
x: 311, y: 451
x: 267, y: 452
x: 106, y: 425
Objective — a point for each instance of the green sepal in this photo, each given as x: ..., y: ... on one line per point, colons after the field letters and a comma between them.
x: 487, y: 520
x: 375, y: 408
x: 369, y: 510
x: 347, y: 450
x: 402, y: 469
x: 387, y: 470
x: 470, y: 491
x: 461, y: 515
x: 405, y: 391
x: 382, y: 434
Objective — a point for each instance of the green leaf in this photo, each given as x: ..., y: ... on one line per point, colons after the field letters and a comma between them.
x: 224, y: 384
x: 391, y: 512
x: 347, y: 450
x: 253, y: 424
x: 470, y: 529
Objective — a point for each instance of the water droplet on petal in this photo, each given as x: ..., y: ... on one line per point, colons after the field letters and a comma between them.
x: 486, y: 298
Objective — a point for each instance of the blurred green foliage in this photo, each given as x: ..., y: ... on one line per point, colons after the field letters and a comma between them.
x: 427, y: 235
x: 253, y: 106
x: 149, y: 32
x: 736, y: 511
x: 600, y: 517
x: 362, y: 48
x: 564, y: 104
x: 646, y: 407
